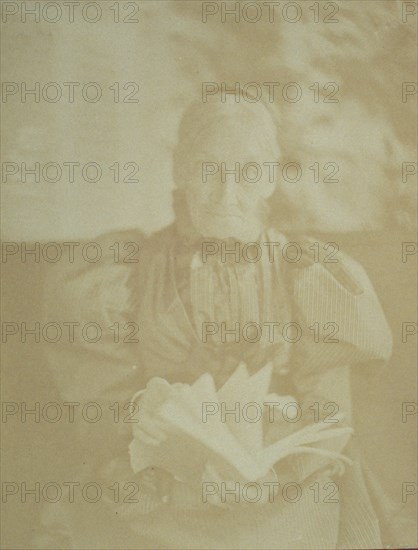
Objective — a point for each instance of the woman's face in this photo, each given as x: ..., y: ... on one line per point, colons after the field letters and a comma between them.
x: 228, y: 184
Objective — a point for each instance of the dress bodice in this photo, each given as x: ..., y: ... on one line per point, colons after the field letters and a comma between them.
x: 199, y: 316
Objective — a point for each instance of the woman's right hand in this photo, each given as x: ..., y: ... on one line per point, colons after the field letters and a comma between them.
x: 150, y: 429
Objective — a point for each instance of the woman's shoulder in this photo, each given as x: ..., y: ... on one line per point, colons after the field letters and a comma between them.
x: 119, y: 250
x: 306, y: 257
x: 104, y: 272
x: 332, y: 289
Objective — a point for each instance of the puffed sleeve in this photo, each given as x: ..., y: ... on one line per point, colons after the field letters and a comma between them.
x: 343, y: 326
x: 340, y: 315
x: 95, y: 304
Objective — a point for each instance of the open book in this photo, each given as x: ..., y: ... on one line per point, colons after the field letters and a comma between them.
x: 200, y: 431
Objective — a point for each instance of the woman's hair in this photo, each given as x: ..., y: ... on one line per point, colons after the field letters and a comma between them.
x: 202, y: 121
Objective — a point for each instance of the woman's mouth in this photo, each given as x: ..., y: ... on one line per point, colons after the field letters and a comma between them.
x: 225, y: 214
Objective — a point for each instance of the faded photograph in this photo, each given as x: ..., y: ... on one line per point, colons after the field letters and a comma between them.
x: 209, y: 260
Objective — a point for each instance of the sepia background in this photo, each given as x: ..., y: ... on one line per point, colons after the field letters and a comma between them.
x: 370, y: 52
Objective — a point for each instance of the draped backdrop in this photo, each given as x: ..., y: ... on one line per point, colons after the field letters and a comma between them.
x: 169, y: 53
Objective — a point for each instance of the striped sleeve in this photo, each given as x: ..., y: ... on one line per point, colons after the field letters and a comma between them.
x: 341, y: 301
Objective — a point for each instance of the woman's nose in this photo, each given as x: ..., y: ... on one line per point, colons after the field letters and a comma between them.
x: 228, y: 192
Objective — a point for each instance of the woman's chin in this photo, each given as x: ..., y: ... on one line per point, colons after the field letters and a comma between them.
x: 226, y: 230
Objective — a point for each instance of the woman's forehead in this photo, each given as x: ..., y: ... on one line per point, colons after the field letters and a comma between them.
x: 232, y: 140
x: 237, y: 118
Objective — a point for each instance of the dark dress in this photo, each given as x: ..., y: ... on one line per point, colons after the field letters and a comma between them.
x: 169, y: 293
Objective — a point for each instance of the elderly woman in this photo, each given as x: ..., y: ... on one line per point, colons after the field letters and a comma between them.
x: 172, y: 294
